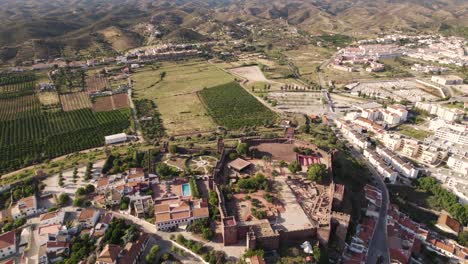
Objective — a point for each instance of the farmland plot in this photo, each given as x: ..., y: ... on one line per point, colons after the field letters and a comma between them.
x: 233, y: 107
x: 75, y: 101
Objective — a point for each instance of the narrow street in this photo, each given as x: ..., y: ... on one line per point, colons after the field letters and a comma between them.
x: 378, y: 246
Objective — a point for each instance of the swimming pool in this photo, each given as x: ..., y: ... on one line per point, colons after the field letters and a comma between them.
x: 186, y: 189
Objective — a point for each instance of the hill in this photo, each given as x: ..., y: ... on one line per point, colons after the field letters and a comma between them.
x: 84, y: 28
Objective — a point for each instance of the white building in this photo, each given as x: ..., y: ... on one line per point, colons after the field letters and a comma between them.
x: 88, y: 217
x: 447, y: 114
x: 399, y: 110
x: 116, y: 138
x: 392, y: 141
x: 380, y: 165
x: 404, y: 168
x: 25, y: 207
x: 447, y: 79
x: 358, y: 140
x: 458, y: 164
x: 454, y: 136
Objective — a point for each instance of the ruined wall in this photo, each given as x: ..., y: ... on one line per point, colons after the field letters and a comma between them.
x: 298, y: 235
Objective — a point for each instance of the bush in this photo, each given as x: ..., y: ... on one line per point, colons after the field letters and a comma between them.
x: 294, y: 167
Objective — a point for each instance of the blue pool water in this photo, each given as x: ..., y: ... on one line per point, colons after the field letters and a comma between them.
x: 186, y: 189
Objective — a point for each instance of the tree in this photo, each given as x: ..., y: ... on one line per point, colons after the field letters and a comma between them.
x: 7, y: 227
x: 294, y: 167
x: 463, y: 238
x: 63, y: 199
x: 316, y: 253
x: 207, y: 233
x: 173, y: 149
x: 242, y: 149
x: 152, y: 256
x: 90, y: 188
x: 317, y: 172
x: 131, y: 234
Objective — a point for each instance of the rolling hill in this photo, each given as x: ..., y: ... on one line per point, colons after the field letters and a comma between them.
x: 84, y: 28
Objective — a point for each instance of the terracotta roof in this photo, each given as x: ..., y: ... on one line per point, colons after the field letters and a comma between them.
x: 131, y: 250
x: 48, y: 216
x: 8, y: 261
x: 180, y: 215
x: 162, y: 208
x: 102, y: 182
x: 137, y: 175
x: 239, y: 164
x: 159, y: 218
x: 51, y: 244
x: 27, y: 202
x: 49, y: 229
x: 106, y: 218
x: 86, y: 214
x: 109, y: 254
x: 201, y: 212
x: 447, y: 221
x: 257, y: 260
x: 7, y: 239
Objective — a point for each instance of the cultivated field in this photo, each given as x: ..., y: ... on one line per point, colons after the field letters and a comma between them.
x: 232, y: 106
x: 48, y: 98
x: 41, y: 136
x: 75, y: 101
x: 18, y: 107
x: 31, y: 133
x: 112, y: 102
x: 175, y: 95
x: 96, y: 83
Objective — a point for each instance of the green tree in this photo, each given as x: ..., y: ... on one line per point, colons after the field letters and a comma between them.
x: 294, y: 167
x: 207, y: 233
x: 463, y: 238
x: 152, y: 256
x: 317, y: 172
x: 242, y: 149
x: 63, y: 199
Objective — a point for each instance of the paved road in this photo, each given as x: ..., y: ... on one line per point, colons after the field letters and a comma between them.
x: 378, y: 246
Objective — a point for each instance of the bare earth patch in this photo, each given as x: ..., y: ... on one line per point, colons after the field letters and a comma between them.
x: 251, y: 73
x: 75, y: 101
x: 48, y: 98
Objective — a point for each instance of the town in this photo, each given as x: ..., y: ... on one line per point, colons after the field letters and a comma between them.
x: 219, y: 152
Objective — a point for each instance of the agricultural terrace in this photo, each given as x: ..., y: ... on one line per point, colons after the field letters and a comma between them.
x: 75, y: 101
x: 38, y: 136
x: 232, y: 106
x: 173, y: 86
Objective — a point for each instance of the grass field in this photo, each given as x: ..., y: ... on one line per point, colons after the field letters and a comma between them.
x: 175, y: 94
x: 233, y: 107
x: 414, y: 133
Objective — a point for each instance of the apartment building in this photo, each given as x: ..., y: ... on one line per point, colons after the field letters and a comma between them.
x: 458, y: 164
x: 447, y: 114
x: 399, y: 110
x: 451, y: 135
x: 380, y: 165
x: 404, y: 168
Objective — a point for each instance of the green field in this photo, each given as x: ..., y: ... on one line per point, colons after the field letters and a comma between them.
x: 233, y: 107
x: 414, y: 133
x: 33, y: 133
x: 175, y: 95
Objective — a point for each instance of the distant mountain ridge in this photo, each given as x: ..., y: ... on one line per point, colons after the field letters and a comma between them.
x: 41, y: 29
